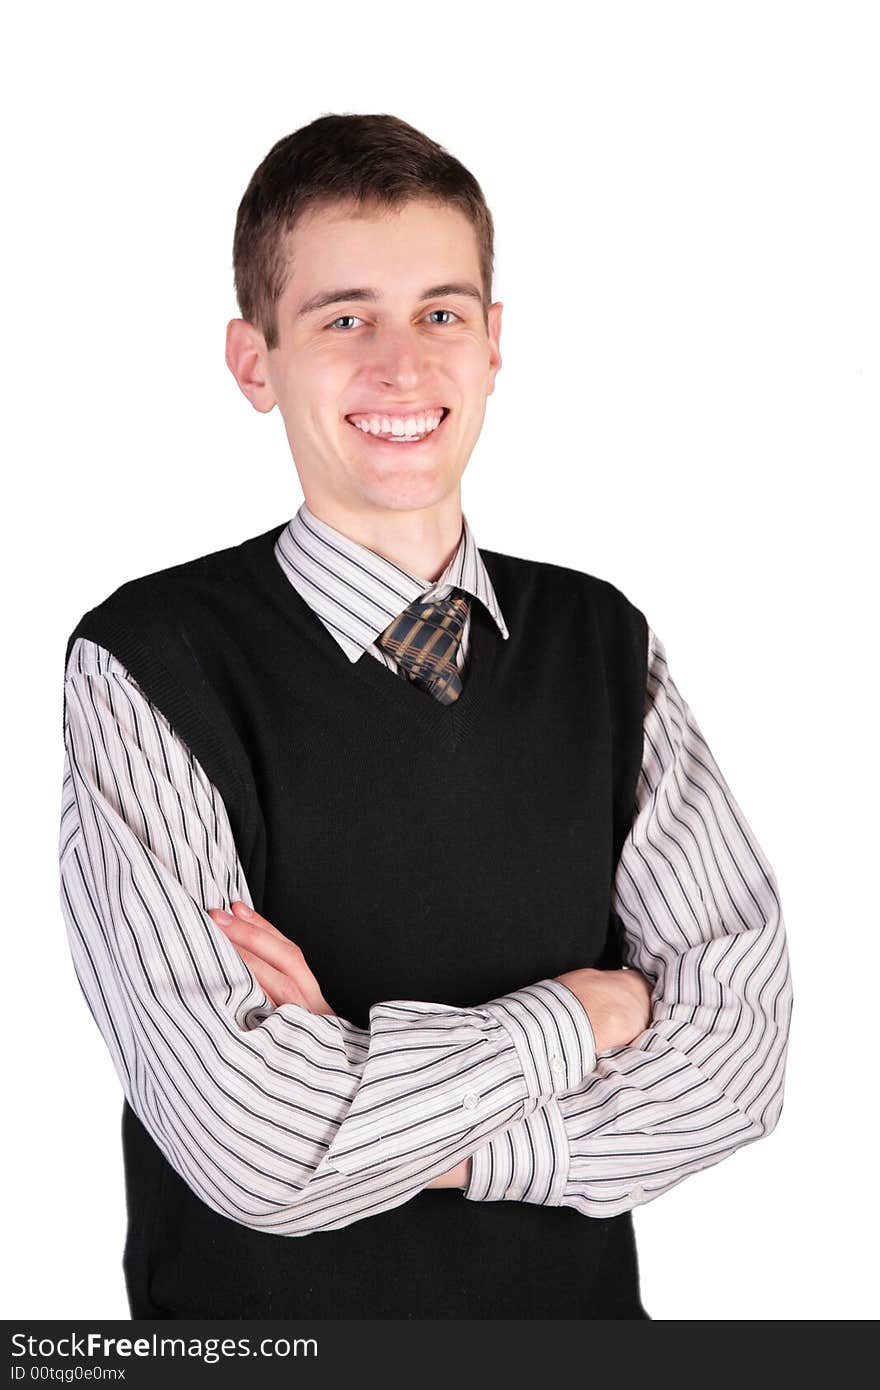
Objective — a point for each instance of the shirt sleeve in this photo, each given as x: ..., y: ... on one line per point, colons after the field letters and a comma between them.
x: 284, y: 1120
x: 700, y: 913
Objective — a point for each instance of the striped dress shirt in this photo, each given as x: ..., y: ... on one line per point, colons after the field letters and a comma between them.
x: 695, y: 894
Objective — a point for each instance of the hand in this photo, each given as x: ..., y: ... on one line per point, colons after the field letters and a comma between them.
x: 459, y: 1176
x: 618, y: 1003
x: 277, y: 962
x: 280, y: 968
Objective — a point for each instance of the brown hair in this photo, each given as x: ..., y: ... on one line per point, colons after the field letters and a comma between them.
x: 371, y: 160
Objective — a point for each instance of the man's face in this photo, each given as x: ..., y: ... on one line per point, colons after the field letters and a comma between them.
x: 412, y: 348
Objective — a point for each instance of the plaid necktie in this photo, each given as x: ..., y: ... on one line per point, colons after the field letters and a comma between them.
x: 424, y: 640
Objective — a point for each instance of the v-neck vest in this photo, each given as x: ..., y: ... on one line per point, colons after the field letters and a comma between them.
x: 413, y: 850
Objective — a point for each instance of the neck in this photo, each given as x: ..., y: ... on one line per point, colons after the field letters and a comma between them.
x: 421, y: 541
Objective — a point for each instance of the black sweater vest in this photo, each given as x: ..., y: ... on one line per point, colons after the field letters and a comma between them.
x: 414, y: 851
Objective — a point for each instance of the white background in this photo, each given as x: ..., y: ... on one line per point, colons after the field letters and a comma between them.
x: 686, y: 203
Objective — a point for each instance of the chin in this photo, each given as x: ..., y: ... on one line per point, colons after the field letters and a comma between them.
x: 405, y: 493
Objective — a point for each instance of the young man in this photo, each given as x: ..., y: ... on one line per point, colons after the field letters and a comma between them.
x: 453, y: 791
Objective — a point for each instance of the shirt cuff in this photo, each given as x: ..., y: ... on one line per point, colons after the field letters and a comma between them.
x: 552, y: 1033
x: 527, y: 1163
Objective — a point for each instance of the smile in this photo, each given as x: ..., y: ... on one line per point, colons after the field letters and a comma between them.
x: 389, y: 429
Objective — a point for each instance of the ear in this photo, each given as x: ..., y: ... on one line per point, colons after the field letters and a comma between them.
x: 247, y: 359
x: 494, y: 342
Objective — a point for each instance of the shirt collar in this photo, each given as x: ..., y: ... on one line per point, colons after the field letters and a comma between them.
x: 356, y: 592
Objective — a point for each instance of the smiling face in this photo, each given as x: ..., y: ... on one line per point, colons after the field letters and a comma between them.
x: 381, y: 320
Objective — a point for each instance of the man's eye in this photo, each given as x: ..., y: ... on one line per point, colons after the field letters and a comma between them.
x: 353, y: 318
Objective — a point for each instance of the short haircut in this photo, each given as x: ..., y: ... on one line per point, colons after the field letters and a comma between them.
x: 372, y: 162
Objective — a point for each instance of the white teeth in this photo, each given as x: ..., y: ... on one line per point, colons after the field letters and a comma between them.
x: 407, y: 429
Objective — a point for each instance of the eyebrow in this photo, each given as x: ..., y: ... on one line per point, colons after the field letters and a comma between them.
x: 325, y: 297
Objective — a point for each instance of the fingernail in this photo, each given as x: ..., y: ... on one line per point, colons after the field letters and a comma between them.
x: 220, y: 916
x: 242, y: 909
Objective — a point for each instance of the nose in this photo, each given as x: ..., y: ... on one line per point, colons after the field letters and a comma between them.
x: 400, y: 359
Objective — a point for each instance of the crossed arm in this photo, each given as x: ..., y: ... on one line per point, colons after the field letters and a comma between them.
x: 291, y: 1120
x: 280, y: 967
x: 618, y: 1002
